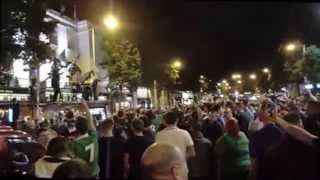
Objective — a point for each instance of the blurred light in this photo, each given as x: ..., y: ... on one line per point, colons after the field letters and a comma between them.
x: 236, y: 93
x: 253, y: 98
x: 202, y: 76
x: 177, y: 64
x: 224, y: 81
x: 236, y: 76
x: 111, y: 22
x: 219, y: 84
x: 253, y: 76
x: 239, y: 81
x: 318, y: 85
x: 308, y: 86
x: 10, y: 115
x: 290, y: 47
x: 265, y: 70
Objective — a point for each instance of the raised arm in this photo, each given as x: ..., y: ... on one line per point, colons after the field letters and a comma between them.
x: 296, y: 132
x: 85, y: 107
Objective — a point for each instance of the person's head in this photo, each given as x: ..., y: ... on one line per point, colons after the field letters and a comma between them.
x: 292, y: 107
x: 58, y: 146
x: 120, y: 113
x: 72, y: 169
x: 82, y: 125
x: 170, y: 118
x: 69, y: 114
x: 44, y: 125
x: 147, y: 121
x: 228, y: 114
x: 232, y: 128
x: 313, y: 107
x: 150, y: 114
x: 216, y: 108
x: 164, y: 161
x: 137, y: 125
x: 294, y: 119
x: 107, y: 126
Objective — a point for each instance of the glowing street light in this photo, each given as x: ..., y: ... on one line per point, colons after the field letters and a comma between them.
x: 265, y: 70
x: 111, y: 22
x: 291, y: 47
x: 236, y: 76
x: 177, y: 64
x: 239, y: 82
x: 253, y: 76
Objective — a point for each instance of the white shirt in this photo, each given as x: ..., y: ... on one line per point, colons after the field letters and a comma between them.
x: 176, y: 137
x: 45, y: 169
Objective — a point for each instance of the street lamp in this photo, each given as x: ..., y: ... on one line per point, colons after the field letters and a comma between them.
x: 177, y: 64
x: 111, y: 22
x: 253, y: 76
x: 265, y: 70
x: 291, y: 47
x: 236, y: 76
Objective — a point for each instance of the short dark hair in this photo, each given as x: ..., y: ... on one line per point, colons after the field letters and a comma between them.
x: 170, y: 117
x: 82, y: 125
x: 75, y: 168
x: 58, y: 146
x: 292, y: 118
x: 44, y: 125
x: 137, y: 125
x: 146, y: 120
x: 69, y: 114
x: 107, y: 124
x: 216, y: 108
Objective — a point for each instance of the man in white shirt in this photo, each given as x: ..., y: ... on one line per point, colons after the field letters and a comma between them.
x: 175, y: 136
x: 57, y: 153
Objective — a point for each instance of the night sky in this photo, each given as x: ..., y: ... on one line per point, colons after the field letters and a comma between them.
x: 213, y: 38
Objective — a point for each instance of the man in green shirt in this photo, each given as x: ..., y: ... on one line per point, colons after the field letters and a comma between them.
x: 85, y: 146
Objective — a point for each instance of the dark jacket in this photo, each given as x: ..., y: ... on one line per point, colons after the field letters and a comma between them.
x: 111, y: 152
x: 200, y: 165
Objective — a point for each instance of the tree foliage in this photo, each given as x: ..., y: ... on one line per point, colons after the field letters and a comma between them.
x: 312, y: 63
x: 301, y: 64
x: 23, y: 22
x: 123, y: 62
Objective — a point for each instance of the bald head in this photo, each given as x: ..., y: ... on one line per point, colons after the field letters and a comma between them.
x: 164, y: 161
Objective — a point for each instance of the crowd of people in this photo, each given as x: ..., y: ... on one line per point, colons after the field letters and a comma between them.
x: 269, y: 139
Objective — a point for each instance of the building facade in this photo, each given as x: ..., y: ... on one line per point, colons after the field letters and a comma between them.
x: 73, y: 41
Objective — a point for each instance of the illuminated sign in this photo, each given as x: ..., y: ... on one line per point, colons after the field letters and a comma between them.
x: 308, y: 86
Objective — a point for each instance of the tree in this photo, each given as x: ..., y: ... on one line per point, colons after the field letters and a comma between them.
x: 303, y: 63
x: 25, y: 33
x: 312, y: 63
x: 123, y: 62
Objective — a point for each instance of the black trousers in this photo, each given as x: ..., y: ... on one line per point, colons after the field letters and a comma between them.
x: 56, y: 91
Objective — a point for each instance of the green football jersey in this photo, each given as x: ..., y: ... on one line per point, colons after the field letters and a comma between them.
x: 86, y: 148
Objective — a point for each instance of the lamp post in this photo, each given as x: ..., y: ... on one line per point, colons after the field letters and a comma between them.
x: 174, y: 68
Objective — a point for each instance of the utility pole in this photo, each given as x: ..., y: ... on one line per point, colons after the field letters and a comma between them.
x: 155, y: 94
